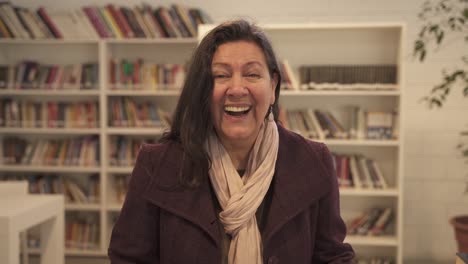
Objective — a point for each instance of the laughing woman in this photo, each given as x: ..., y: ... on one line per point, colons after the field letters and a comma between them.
x: 227, y: 184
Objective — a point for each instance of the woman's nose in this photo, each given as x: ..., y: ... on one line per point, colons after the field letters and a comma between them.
x: 237, y: 87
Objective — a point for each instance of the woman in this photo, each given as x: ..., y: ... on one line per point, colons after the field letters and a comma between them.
x: 227, y: 184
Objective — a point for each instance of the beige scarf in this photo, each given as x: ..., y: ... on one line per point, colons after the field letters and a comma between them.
x: 240, y: 197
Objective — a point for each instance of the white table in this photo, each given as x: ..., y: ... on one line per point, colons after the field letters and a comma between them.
x: 19, y: 212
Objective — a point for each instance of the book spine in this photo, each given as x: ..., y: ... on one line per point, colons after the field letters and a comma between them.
x: 102, y: 19
x: 126, y: 32
x: 49, y: 23
x: 95, y: 21
x: 130, y: 17
x: 111, y: 22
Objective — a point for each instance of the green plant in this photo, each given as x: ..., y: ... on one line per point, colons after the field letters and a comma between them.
x: 441, y: 19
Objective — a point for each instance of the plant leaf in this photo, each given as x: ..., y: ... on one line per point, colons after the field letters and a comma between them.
x: 440, y: 37
x: 435, y: 102
x: 422, y: 55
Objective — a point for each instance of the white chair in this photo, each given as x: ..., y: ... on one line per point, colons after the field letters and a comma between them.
x: 9, y: 188
x: 20, y: 211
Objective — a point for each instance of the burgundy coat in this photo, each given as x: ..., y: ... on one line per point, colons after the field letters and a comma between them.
x: 159, y: 225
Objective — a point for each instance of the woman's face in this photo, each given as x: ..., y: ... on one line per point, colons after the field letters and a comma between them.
x: 243, y: 91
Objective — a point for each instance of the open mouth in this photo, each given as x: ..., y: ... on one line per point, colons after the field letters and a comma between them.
x: 237, y: 110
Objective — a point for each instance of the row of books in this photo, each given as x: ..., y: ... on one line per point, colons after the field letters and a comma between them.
x: 365, y: 77
x: 34, y: 75
x: 82, y: 232
x: 121, y: 187
x: 357, y: 171
x: 375, y: 260
x: 81, y: 151
x: 322, y: 124
x: 141, y: 75
x: 126, y: 112
x: 109, y: 21
x: 84, y: 191
x: 288, y: 79
x: 28, y: 114
x: 372, y: 222
x: 124, y: 150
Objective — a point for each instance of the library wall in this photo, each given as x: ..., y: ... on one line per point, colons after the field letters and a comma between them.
x: 434, y: 172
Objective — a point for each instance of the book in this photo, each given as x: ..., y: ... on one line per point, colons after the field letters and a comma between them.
x: 9, y: 17
x: 292, y: 78
x: 43, y: 14
x: 120, y: 20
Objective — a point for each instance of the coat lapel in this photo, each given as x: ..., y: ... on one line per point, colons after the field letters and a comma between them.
x: 194, y: 205
x: 300, y: 180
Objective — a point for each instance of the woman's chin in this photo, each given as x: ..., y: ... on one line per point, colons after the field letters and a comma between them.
x: 237, y: 135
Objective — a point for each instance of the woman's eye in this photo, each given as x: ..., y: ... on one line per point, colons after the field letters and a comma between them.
x: 253, y: 75
x: 220, y: 76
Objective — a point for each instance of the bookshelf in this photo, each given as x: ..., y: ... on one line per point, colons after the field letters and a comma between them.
x: 301, y: 44
x: 352, y: 44
x: 63, y: 52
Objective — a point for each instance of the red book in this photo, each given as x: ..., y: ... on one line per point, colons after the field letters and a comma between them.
x: 95, y: 21
x: 121, y: 21
x: 136, y: 72
x: 49, y: 23
x: 51, y: 76
x: 113, y: 69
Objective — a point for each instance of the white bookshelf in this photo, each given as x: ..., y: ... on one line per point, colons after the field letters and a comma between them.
x: 354, y: 44
x: 351, y: 44
x: 301, y: 44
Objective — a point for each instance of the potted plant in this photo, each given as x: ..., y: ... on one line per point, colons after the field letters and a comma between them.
x: 440, y: 19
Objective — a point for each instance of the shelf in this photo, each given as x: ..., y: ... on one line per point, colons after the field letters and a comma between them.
x: 50, y: 131
x: 130, y: 92
x: 152, y: 41
x: 59, y: 169
x: 82, y: 207
x: 49, y: 41
x: 120, y: 170
x: 135, y: 131
x: 85, y: 252
x: 361, y: 142
x: 328, y: 26
x: 96, y: 41
x: 115, y: 207
x: 72, y: 252
x: 369, y: 192
x: 372, y: 240
x: 288, y: 93
x: 43, y: 92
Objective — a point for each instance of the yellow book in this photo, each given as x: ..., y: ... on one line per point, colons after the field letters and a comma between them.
x: 156, y: 76
x: 4, y: 30
x: 110, y: 20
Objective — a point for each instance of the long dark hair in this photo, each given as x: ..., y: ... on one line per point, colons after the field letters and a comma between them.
x: 192, y: 118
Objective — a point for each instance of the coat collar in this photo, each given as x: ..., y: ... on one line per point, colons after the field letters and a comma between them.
x: 299, y: 180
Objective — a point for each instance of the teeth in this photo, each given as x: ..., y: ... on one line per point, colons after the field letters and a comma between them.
x: 236, y: 108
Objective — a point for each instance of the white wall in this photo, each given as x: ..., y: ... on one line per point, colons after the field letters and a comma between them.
x: 434, y: 171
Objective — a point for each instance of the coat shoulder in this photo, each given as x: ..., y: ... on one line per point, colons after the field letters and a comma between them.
x: 151, y: 158
x: 301, y: 146
x: 305, y: 152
